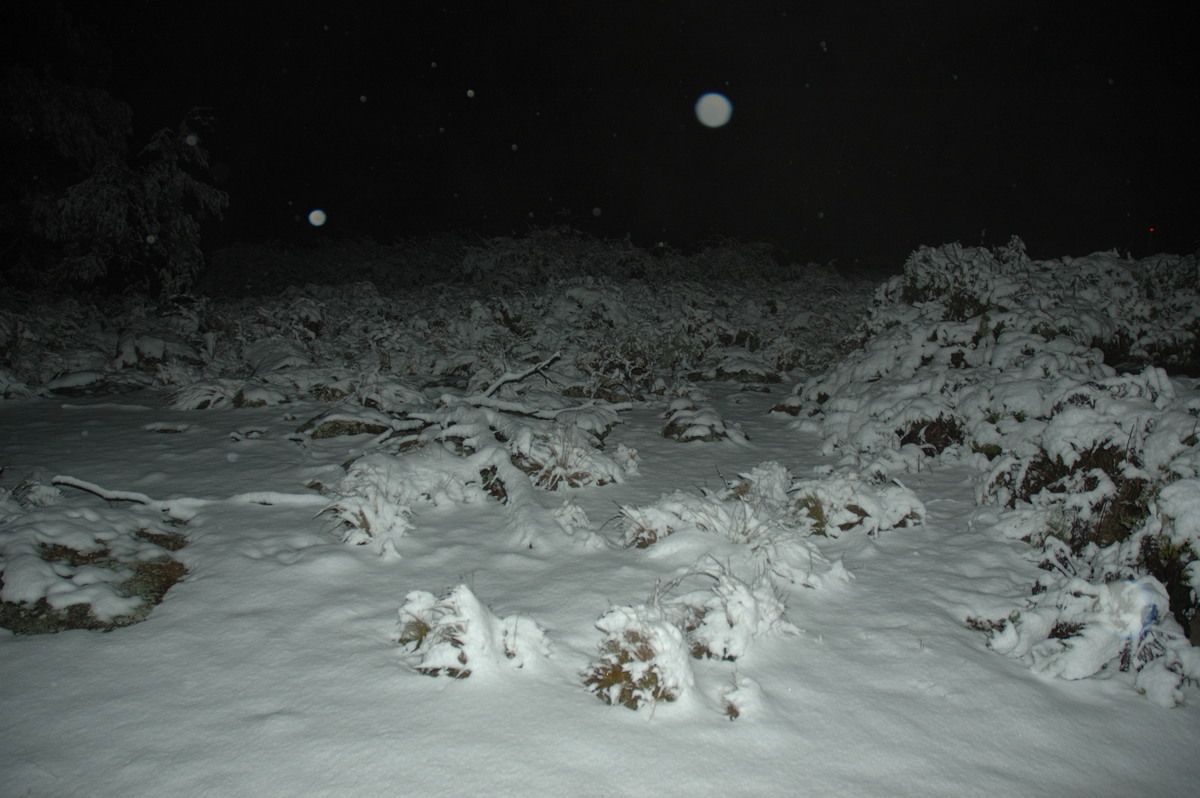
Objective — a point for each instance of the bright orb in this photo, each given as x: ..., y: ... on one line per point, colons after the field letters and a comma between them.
x: 316, y: 217
x: 713, y: 109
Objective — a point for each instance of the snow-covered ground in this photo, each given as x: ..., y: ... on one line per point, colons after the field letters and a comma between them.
x: 655, y: 567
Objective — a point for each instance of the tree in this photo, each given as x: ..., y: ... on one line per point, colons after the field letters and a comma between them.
x: 134, y: 226
x: 75, y: 210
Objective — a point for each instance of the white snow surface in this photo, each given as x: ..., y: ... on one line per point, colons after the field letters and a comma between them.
x: 274, y: 669
x: 436, y: 542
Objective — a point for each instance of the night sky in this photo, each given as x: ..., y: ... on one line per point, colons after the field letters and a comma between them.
x: 859, y: 130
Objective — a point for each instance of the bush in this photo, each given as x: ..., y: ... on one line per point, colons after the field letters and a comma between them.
x: 80, y: 212
x: 455, y: 635
x: 1078, y: 629
x: 643, y: 659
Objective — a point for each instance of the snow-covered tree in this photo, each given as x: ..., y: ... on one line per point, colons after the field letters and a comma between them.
x: 77, y: 211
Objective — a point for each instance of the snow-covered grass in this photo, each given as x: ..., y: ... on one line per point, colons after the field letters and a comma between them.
x: 514, y: 542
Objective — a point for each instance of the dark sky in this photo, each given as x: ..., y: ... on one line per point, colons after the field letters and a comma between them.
x: 860, y: 130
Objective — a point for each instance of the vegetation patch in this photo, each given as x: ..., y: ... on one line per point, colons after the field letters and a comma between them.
x: 1170, y: 564
x: 1119, y: 504
x: 113, y: 591
x: 456, y: 635
x: 643, y: 659
x: 338, y: 425
x: 933, y: 436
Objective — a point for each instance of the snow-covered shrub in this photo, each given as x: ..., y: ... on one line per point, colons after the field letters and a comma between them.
x: 645, y: 526
x: 644, y: 656
x: 1076, y: 629
x: 1171, y: 550
x: 689, y: 420
x: 991, y: 356
x: 968, y: 340
x: 616, y: 372
x: 563, y: 457
x: 375, y: 501
x: 456, y: 635
x: 557, y: 446
x: 346, y: 419
x: 1095, y: 476
x: 622, y: 337
x: 386, y: 393
x: 849, y: 503
x: 148, y: 352
x: 753, y: 510
x: 268, y: 355
x: 571, y: 517
x: 722, y: 621
x: 13, y: 388
x: 208, y: 395
x: 64, y: 567
x: 741, y: 696
x: 593, y: 418
x: 762, y: 525
x: 36, y: 491
x: 643, y: 659
x: 742, y: 366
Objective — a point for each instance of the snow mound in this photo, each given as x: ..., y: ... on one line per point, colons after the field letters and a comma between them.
x: 1079, y: 629
x: 456, y: 635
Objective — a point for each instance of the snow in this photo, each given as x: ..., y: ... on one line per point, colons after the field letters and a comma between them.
x: 273, y: 668
x: 861, y: 608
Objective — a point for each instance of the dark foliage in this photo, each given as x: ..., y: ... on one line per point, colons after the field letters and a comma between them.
x: 75, y: 210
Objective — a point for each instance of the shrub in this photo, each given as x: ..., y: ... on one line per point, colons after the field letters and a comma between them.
x: 643, y: 659
x: 1078, y: 629
x: 455, y: 635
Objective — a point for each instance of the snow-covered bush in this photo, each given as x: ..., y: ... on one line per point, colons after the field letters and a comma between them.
x: 760, y: 524
x: 990, y: 357
x: 66, y: 567
x: 767, y: 505
x: 349, y: 419
x: 644, y: 655
x: 968, y: 341
x: 690, y: 420
x: 375, y: 501
x: 643, y: 659
x: 722, y: 621
x: 622, y: 337
x: 848, y: 503
x: 562, y: 457
x: 13, y: 388
x: 1075, y: 629
x: 456, y: 635
x: 208, y: 395
x: 754, y: 510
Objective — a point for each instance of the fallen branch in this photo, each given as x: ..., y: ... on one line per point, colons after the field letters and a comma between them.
x: 517, y: 377
x: 107, y: 495
x: 267, y: 498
